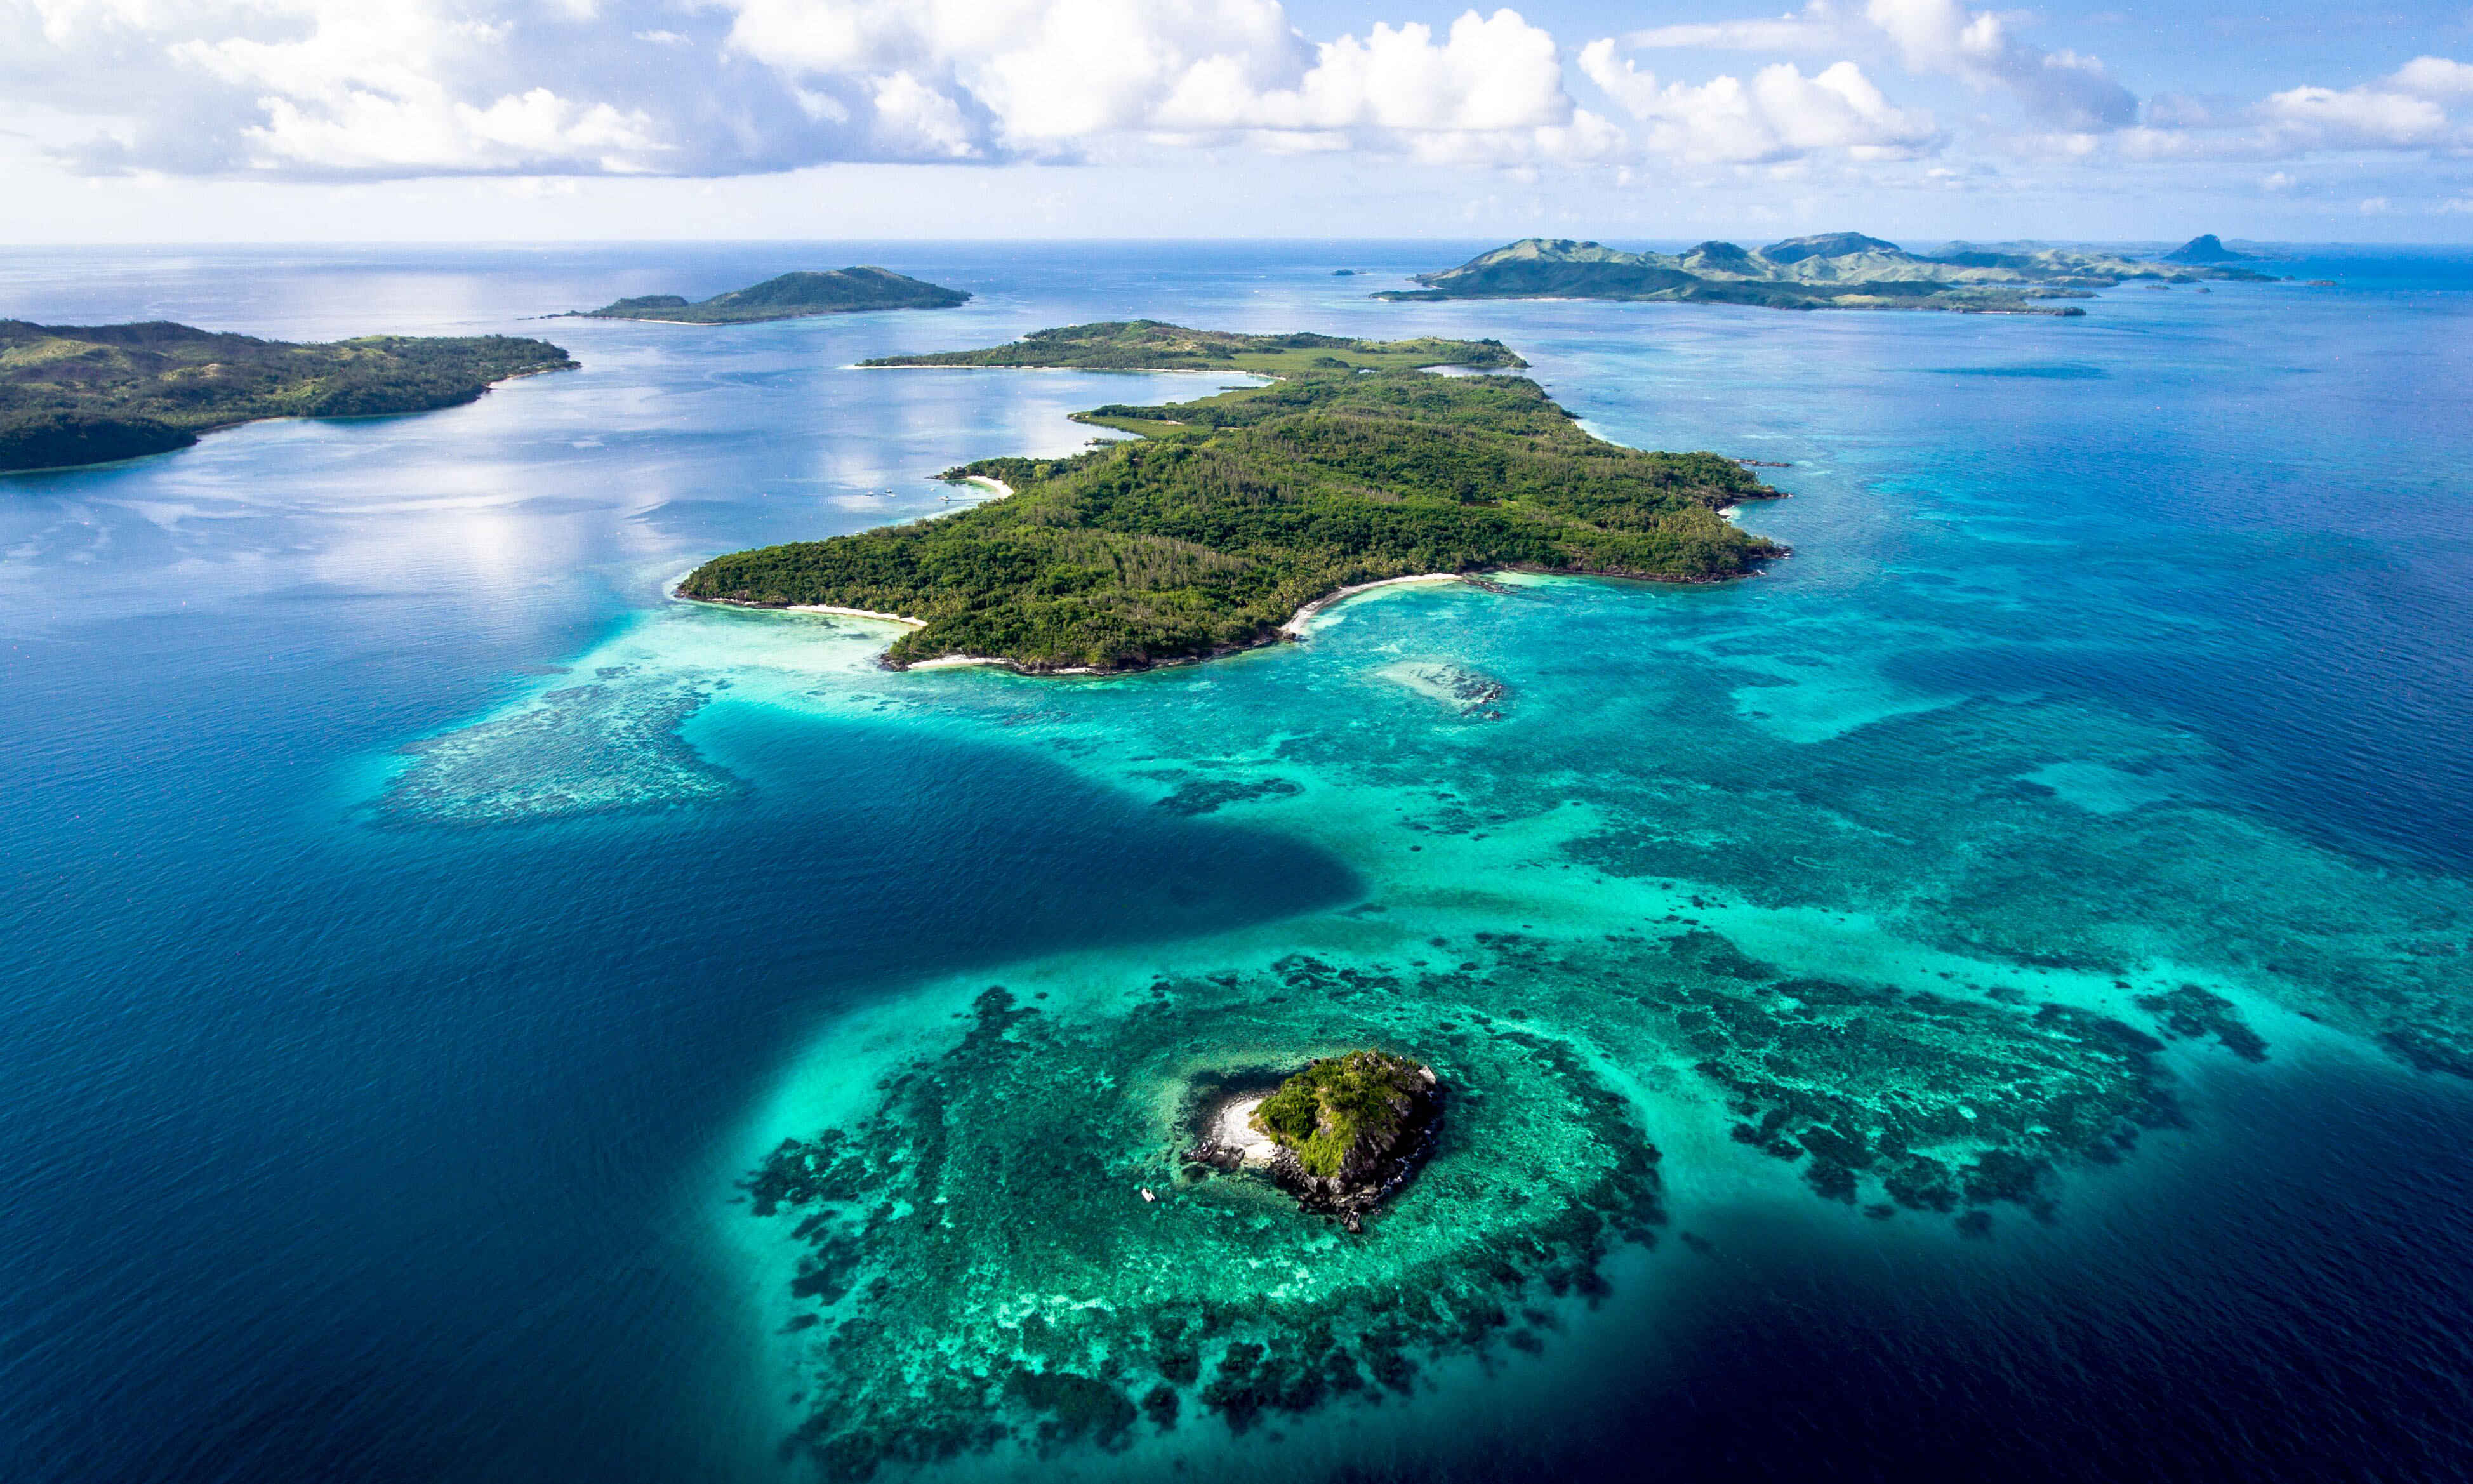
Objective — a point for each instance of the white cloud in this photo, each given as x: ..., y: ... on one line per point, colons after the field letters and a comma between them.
x: 2309, y: 118
x: 445, y: 86
x: 2433, y: 77
x: 392, y: 88
x: 1779, y: 115
x: 1929, y: 38
x: 2407, y: 110
x: 2061, y: 88
x: 1819, y: 27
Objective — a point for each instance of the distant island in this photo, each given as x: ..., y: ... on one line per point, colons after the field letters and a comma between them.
x: 2207, y: 248
x: 95, y: 394
x: 1235, y: 511
x: 792, y: 296
x: 1833, y: 270
x: 1151, y: 344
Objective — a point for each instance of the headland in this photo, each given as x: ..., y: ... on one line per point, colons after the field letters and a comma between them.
x: 74, y: 395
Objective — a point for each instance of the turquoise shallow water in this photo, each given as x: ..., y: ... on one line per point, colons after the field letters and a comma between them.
x: 422, y: 925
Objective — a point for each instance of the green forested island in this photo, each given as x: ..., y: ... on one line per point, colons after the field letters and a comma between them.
x: 790, y: 296
x: 92, y: 394
x: 1833, y: 270
x: 1234, y: 510
x: 1150, y: 344
x: 1344, y: 1110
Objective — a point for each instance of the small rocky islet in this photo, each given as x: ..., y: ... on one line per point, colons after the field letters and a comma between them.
x: 1342, y: 1135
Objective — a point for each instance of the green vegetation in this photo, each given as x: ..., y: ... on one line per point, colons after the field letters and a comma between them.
x: 790, y: 296
x: 1833, y: 270
x: 1239, y: 508
x: 1149, y: 345
x: 72, y: 394
x: 1341, y: 1103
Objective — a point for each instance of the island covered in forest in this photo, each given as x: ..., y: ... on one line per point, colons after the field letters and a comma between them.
x: 1833, y: 270
x: 792, y: 296
x: 1233, y: 512
x: 94, y: 393
x: 1152, y: 345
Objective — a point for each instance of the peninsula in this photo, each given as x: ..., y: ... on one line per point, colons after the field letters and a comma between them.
x: 94, y: 393
x: 1833, y: 270
x: 1232, y: 513
x: 792, y: 296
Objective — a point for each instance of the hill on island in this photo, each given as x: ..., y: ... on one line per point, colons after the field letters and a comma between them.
x: 790, y: 296
x: 92, y: 394
x: 1232, y: 513
x: 1832, y: 270
x: 2207, y: 248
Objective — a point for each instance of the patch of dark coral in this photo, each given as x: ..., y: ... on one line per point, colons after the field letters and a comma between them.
x: 1204, y: 796
x: 2191, y: 1012
x: 1875, y: 1084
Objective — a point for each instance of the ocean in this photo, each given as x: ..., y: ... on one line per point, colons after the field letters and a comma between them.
x: 1987, y: 997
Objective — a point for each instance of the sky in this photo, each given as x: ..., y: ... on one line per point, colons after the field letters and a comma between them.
x: 200, y: 121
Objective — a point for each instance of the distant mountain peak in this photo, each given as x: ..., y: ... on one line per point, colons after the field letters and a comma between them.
x: 1794, y: 249
x: 2207, y: 248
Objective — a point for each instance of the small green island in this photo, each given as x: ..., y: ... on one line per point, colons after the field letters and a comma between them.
x: 793, y: 296
x: 1343, y: 1135
x: 1234, y: 515
x: 96, y: 393
x: 1151, y: 344
x: 1831, y: 271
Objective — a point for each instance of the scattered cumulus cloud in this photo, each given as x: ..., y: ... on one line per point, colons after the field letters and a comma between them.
x: 1929, y: 38
x: 1779, y: 115
x: 347, y: 87
x: 2426, y: 104
x: 395, y: 88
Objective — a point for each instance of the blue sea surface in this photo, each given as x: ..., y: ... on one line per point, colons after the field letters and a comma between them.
x: 415, y: 917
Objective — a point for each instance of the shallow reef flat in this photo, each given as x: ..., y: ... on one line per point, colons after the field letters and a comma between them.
x: 980, y: 1268
x: 608, y: 747
x: 1671, y: 943
x: 605, y: 738
x: 976, y: 1268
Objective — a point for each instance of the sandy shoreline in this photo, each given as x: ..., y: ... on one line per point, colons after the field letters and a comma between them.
x: 1231, y: 1129
x: 848, y: 612
x: 1295, y: 627
x: 1002, y: 489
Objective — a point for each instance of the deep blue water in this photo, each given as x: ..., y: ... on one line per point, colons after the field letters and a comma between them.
x: 335, y: 1149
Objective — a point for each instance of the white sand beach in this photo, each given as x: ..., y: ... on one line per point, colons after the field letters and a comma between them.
x: 1295, y: 626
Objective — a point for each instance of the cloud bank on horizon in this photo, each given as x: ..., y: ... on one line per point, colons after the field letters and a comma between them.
x: 346, y: 89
